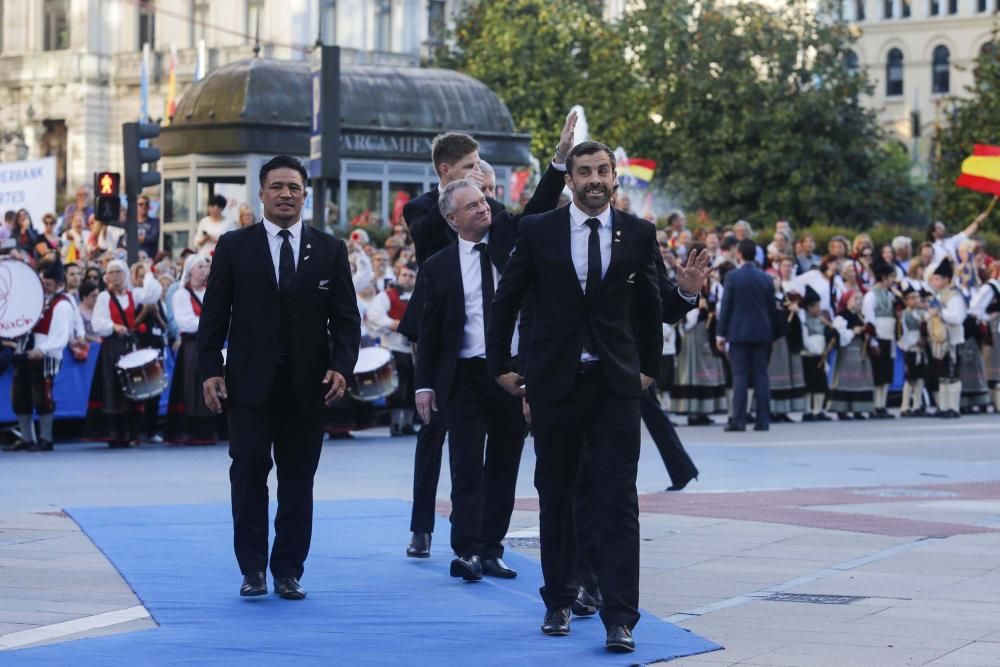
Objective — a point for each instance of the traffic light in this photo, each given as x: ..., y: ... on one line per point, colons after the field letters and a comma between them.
x: 138, y: 154
x: 107, y: 185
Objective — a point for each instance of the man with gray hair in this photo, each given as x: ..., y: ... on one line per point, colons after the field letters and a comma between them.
x: 489, y: 186
x: 484, y: 421
x: 903, y: 247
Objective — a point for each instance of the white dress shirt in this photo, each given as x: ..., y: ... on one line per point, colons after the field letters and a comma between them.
x: 474, y: 334
x: 102, y: 323
x: 53, y: 343
x: 187, y: 321
x: 274, y: 242
x: 579, y: 245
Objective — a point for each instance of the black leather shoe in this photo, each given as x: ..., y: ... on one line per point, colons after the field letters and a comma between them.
x: 620, y: 639
x: 556, y: 623
x: 420, y: 546
x: 679, y: 486
x: 495, y: 567
x: 822, y: 417
x: 41, y: 446
x: 734, y: 428
x: 469, y: 568
x: 18, y: 446
x: 254, y: 584
x: 844, y: 416
x: 584, y: 604
x: 761, y: 427
x: 289, y: 589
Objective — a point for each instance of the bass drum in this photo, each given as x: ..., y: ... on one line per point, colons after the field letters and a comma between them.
x: 22, y: 298
x: 374, y: 374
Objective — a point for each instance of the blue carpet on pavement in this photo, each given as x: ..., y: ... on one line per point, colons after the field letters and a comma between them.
x: 367, y: 604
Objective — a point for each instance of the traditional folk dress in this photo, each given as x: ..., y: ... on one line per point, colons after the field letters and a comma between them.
x: 946, y: 338
x: 911, y: 341
x: 189, y: 421
x: 699, y: 381
x: 972, y: 369
x: 986, y: 306
x: 110, y: 415
x: 851, y: 390
x: 784, y: 369
x: 817, y: 338
x: 878, y: 310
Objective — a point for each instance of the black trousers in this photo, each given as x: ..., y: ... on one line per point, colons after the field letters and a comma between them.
x: 679, y: 465
x: 30, y: 390
x: 485, y: 439
x: 426, y: 471
x: 607, y: 425
x: 749, y: 362
x: 297, y: 439
x: 402, y: 398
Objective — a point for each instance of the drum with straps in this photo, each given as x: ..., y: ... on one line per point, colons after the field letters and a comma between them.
x: 374, y: 374
x: 22, y: 298
x: 141, y: 374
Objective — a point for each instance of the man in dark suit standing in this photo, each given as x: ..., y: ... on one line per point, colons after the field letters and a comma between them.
x: 746, y: 323
x: 283, y: 294
x: 455, y: 156
x: 459, y: 283
x: 595, y: 346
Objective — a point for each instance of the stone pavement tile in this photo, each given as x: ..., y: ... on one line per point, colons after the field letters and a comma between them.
x: 880, y: 584
x: 7, y: 628
x: 741, y: 648
x: 77, y: 607
x: 777, y: 568
x: 752, y: 531
x: 981, y: 653
x: 25, y: 616
x: 929, y: 562
x: 120, y: 597
x: 820, y: 655
x: 130, y: 626
x: 54, y: 520
x: 660, y: 560
x: 887, y: 638
x: 923, y: 622
x: 981, y: 588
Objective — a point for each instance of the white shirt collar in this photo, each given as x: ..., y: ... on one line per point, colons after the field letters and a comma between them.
x: 273, y: 229
x: 468, y: 247
x: 580, y: 218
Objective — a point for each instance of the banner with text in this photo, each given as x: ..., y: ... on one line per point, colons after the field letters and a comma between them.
x: 29, y: 184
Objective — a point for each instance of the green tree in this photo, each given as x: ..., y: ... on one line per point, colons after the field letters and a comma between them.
x: 761, y: 114
x: 542, y: 57
x: 973, y: 120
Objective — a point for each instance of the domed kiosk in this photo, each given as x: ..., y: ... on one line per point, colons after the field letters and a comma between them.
x: 232, y: 121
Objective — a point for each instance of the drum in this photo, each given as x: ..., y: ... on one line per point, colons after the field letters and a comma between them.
x: 21, y: 298
x: 141, y: 374
x: 374, y: 374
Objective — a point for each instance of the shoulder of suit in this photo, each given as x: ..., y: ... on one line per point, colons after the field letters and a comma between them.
x: 422, y: 203
x: 636, y: 221
x: 325, y: 237
x: 440, y: 256
x: 542, y: 219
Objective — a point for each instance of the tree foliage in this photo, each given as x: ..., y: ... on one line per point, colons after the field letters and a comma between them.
x: 751, y: 111
x: 974, y: 120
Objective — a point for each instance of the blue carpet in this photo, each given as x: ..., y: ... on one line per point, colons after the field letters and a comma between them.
x: 367, y: 604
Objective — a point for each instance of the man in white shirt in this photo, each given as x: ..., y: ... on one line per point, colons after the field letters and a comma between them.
x: 36, y: 366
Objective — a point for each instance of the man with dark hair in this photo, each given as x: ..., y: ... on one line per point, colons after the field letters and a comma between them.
x: 282, y: 293
x: 212, y: 226
x: 746, y: 323
x: 149, y: 226
x: 36, y: 362
x: 431, y: 233
x: 595, y: 344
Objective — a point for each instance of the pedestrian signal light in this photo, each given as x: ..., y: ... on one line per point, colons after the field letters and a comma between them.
x: 107, y: 185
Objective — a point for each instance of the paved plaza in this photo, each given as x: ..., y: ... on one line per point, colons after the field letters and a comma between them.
x: 874, y: 543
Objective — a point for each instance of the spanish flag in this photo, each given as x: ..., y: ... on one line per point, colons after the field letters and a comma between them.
x: 636, y: 172
x: 981, y: 172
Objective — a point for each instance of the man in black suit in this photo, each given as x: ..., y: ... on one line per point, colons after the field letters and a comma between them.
x: 595, y: 347
x: 455, y: 156
x: 746, y: 322
x: 459, y: 283
x: 283, y: 294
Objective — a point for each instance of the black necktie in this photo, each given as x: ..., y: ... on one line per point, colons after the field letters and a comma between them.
x: 286, y: 261
x: 593, y: 258
x: 486, y: 270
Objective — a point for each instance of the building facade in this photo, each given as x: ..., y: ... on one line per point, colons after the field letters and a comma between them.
x: 917, y: 54
x: 70, y: 70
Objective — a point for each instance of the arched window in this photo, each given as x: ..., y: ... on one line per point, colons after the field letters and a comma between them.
x: 941, y: 70
x: 894, y: 73
x: 851, y: 62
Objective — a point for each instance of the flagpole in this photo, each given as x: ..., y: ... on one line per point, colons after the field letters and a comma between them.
x: 992, y: 204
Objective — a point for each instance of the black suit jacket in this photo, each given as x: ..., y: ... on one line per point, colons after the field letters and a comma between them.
x: 748, y: 312
x: 241, y: 302
x: 442, y: 324
x: 624, y: 318
x: 431, y: 233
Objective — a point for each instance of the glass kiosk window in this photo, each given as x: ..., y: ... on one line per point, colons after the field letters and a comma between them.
x: 364, y: 203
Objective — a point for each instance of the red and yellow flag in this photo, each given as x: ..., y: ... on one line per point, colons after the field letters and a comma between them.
x: 981, y: 171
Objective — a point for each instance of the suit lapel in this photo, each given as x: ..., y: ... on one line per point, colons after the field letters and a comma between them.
x: 262, y: 250
x: 564, y: 248
x: 307, y: 248
x: 616, y: 244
